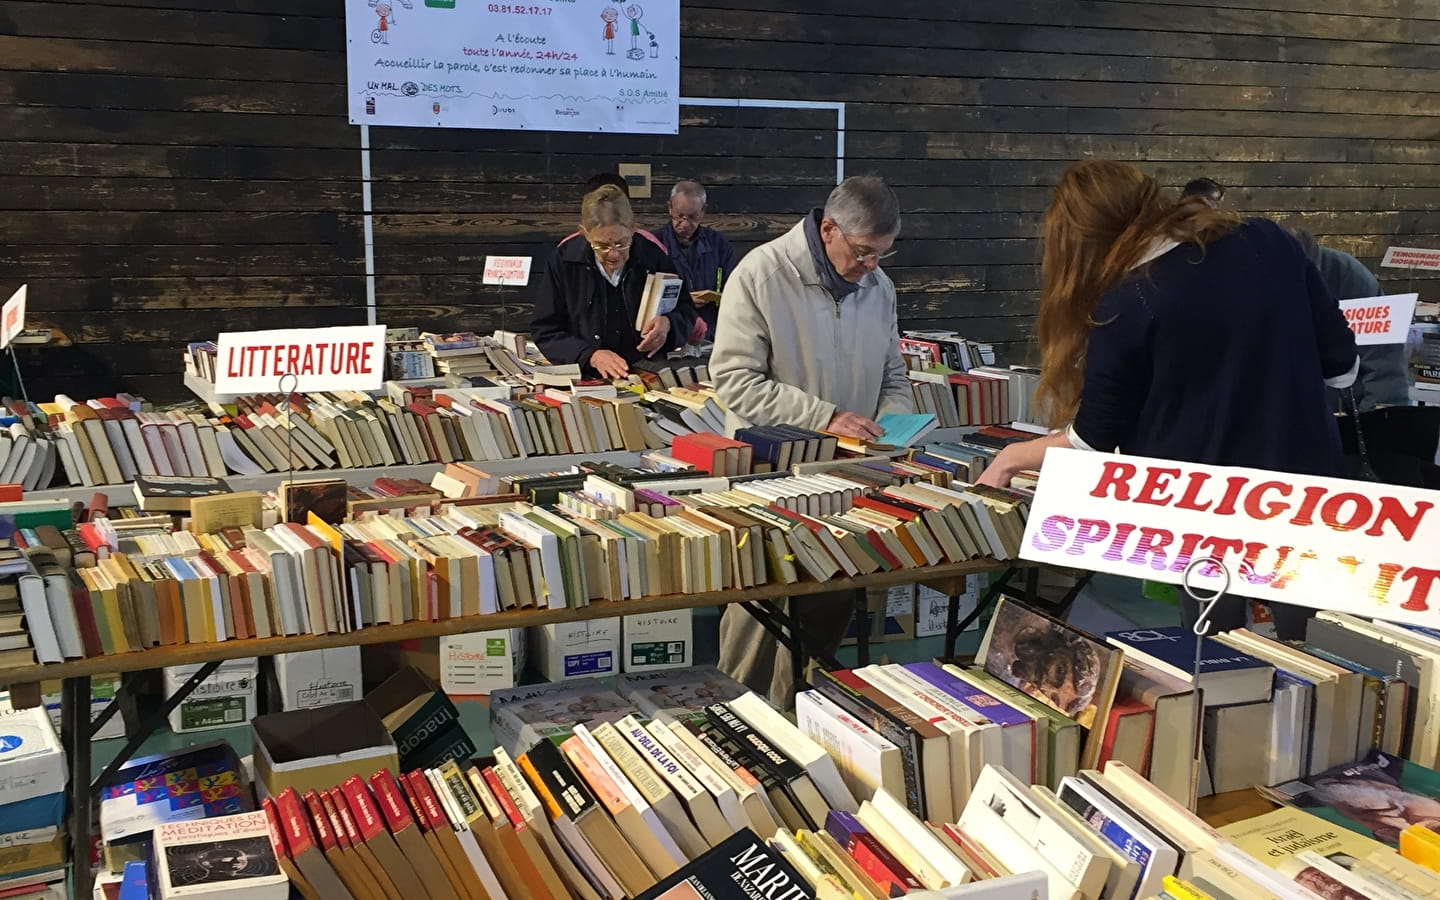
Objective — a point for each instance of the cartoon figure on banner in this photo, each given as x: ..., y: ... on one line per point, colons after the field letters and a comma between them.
x: 381, y: 34
x: 634, y: 13
x: 610, y: 15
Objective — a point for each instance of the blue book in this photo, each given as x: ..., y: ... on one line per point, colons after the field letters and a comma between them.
x: 905, y: 429
x: 1128, y: 835
x: 135, y: 883
x: 1227, y: 676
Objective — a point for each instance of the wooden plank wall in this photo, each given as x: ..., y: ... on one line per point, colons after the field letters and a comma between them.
x: 173, y: 168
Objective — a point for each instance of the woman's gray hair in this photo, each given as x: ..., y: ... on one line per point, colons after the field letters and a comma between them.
x: 864, y: 205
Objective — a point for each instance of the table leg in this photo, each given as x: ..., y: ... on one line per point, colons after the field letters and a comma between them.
x: 952, y: 623
x: 75, y: 735
x: 862, y: 627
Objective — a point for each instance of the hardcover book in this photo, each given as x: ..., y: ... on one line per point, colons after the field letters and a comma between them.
x: 228, y: 855
x: 741, y: 867
x: 1227, y: 676
x: 173, y: 493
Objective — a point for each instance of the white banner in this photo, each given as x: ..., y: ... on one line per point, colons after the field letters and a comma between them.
x: 1327, y: 543
x: 1411, y: 258
x: 12, y: 316
x: 346, y: 358
x: 554, y: 65
x: 1380, y: 320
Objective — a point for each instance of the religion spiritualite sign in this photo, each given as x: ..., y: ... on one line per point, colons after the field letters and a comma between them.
x: 346, y: 358
x: 542, y: 65
x: 1326, y: 543
x: 1380, y: 320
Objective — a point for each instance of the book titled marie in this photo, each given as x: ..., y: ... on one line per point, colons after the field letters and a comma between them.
x: 228, y: 856
x: 741, y: 867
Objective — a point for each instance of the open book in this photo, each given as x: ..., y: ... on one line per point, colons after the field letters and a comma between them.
x: 662, y: 292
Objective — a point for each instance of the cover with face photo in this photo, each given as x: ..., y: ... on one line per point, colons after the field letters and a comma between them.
x: 1378, y: 796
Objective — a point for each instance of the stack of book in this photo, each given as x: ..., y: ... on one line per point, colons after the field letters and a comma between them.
x: 33, y: 800
x: 462, y: 354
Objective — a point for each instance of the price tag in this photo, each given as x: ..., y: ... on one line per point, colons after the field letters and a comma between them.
x: 511, y: 270
x: 12, y: 317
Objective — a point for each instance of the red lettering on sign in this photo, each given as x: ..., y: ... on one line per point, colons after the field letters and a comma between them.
x: 1116, y: 475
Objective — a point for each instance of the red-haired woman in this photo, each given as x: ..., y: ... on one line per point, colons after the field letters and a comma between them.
x: 1172, y: 329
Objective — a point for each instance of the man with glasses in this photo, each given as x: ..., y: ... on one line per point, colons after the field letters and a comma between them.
x: 700, y: 254
x: 807, y: 336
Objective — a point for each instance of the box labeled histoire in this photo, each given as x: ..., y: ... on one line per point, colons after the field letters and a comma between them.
x: 476, y: 664
x: 653, y: 641
x: 932, y: 608
x: 576, y: 649
x: 314, y: 678
x: 224, y: 699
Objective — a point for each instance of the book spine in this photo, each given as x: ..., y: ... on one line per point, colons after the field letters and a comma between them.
x: 850, y: 700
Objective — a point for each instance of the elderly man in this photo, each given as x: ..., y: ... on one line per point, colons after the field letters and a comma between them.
x: 700, y: 254
x: 808, y: 337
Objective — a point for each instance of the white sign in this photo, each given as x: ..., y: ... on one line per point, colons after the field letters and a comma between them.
x: 1326, y: 543
x: 507, y: 270
x: 12, y: 316
x: 548, y: 65
x: 1411, y: 258
x: 1380, y: 320
x: 346, y: 358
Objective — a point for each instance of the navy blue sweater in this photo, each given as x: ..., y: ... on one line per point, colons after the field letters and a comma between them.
x: 1219, y: 356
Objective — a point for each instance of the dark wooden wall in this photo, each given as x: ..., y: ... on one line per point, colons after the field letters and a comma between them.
x: 173, y: 168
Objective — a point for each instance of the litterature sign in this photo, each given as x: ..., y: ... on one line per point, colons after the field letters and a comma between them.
x: 1380, y: 320
x: 345, y: 358
x: 1327, y: 543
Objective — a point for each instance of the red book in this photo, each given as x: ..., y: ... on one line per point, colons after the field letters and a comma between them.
x: 295, y: 824
x: 880, y: 864
x: 11, y: 492
x: 371, y: 830
x: 1128, y: 732
x: 701, y: 451
x: 84, y: 615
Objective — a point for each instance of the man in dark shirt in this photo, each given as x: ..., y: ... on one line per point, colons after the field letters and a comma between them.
x: 701, y: 255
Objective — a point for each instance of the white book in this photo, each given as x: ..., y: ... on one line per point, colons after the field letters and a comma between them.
x: 866, y: 760
x: 1125, y: 873
x: 1005, y: 796
x: 1116, y: 825
x: 551, y: 584
x: 794, y: 743
x: 916, y: 846
x: 702, y: 807
x: 43, y: 634
x: 1024, y: 886
x: 656, y: 792
x: 656, y: 846
x: 478, y: 861
x: 760, y: 818
x: 720, y: 791
x: 285, y: 572
x: 1182, y: 826
x: 943, y: 799
x: 1014, y: 852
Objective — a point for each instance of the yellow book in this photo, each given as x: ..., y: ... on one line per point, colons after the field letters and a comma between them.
x: 1420, y: 845
x: 1280, y: 834
x: 1182, y: 890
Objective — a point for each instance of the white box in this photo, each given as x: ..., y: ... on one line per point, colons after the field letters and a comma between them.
x: 576, y: 649
x: 932, y: 608
x: 224, y: 699
x: 314, y: 678
x: 102, y: 692
x: 31, y: 761
x: 657, y: 641
x: 481, y: 662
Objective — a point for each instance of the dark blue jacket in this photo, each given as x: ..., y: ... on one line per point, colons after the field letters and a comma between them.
x: 1219, y: 355
x: 706, y: 264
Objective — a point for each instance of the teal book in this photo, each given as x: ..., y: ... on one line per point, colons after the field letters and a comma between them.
x: 905, y: 429
x: 1379, y: 796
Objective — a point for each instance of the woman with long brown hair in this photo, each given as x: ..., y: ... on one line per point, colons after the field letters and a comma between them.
x: 1171, y: 329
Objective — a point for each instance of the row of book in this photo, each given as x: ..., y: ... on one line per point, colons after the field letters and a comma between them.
x: 430, y: 560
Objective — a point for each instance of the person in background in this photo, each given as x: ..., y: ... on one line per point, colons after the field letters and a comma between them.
x: 807, y: 336
x: 701, y: 254
x: 1171, y: 329
x: 591, y: 294
x: 1207, y: 189
x: 1384, y: 378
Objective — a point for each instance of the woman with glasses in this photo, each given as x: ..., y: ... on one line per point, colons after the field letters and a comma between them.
x: 591, y: 294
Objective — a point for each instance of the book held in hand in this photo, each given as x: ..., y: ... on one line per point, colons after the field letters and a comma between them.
x: 661, y: 294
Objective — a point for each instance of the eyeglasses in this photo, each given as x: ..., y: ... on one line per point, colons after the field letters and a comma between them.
x: 618, y: 246
x: 868, y: 256
x: 682, y: 217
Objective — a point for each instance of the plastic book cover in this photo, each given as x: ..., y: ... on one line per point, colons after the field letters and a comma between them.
x: 1379, y: 796
x: 680, y: 692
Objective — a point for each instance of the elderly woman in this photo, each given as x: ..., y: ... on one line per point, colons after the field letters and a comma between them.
x: 592, y: 290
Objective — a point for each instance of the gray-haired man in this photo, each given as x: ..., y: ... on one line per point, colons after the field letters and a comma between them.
x: 700, y: 254
x: 807, y: 337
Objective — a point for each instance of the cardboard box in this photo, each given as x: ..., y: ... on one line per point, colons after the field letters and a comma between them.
x: 379, y: 661
x: 225, y: 699
x: 422, y: 720
x: 519, y: 717
x: 32, y: 764
x: 576, y: 649
x: 892, y: 615
x: 32, y: 850
x: 657, y: 641
x: 932, y: 608
x: 319, y: 748
x: 318, y: 677
x: 485, y: 661
x: 102, y: 691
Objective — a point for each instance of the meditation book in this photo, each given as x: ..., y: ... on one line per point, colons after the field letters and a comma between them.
x: 228, y: 856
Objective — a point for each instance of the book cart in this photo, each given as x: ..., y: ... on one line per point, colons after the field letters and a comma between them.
x: 77, y: 729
